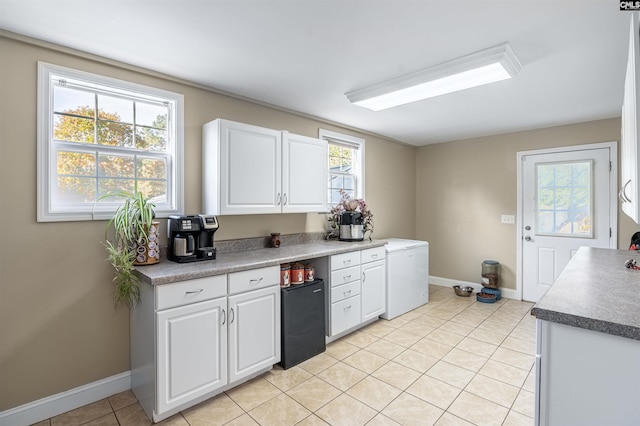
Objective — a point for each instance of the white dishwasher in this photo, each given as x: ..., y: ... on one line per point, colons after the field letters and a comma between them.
x: 407, y: 276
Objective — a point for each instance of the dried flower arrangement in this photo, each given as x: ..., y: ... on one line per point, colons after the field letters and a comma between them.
x: 346, y: 204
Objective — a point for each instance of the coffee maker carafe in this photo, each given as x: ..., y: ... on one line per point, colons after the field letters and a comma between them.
x: 191, y: 238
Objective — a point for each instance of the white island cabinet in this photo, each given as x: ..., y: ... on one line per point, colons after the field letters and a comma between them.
x: 586, y: 378
x: 193, y: 339
x: 252, y: 170
x: 588, y: 343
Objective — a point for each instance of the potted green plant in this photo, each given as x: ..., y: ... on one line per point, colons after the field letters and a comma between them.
x: 345, y: 204
x: 132, y: 224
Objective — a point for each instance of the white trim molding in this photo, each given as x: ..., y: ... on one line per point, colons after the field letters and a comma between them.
x: 507, y: 293
x: 54, y: 405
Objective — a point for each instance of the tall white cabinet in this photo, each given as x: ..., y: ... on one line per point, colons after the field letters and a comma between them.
x: 251, y: 170
x: 630, y: 154
x: 193, y: 339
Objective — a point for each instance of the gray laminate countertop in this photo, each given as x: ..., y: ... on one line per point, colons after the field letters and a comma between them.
x: 167, y: 271
x: 596, y: 292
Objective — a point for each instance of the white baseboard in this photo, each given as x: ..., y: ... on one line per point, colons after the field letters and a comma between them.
x: 54, y: 405
x: 507, y: 293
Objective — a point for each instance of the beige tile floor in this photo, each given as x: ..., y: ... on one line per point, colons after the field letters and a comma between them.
x: 453, y: 361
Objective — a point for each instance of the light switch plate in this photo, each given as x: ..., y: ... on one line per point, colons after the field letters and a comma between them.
x: 508, y: 218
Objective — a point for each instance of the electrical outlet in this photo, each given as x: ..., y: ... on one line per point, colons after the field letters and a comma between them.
x: 508, y: 218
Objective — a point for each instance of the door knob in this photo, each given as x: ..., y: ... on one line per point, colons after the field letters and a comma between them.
x: 527, y: 238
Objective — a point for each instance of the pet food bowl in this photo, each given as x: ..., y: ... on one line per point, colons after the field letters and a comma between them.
x: 464, y: 290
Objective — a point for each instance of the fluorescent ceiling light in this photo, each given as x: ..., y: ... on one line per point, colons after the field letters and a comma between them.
x: 486, y: 66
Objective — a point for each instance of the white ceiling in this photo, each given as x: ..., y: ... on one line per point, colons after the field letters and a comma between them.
x: 304, y: 55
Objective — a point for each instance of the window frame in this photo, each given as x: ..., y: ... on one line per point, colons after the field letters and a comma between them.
x: 358, y: 162
x: 46, y: 154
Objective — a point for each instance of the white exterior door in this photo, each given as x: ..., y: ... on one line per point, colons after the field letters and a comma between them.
x: 566, y: 204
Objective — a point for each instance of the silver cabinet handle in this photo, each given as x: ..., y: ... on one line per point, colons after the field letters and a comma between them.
x: 346, y: 292
x: 364, y: 276
x: 284, y: 198
x: 346, y: 277
x: 224, y: 317
x: 256, y: 281
x: 623, y: 193
x: 374, y: 255
x: 346, y: 308
x: 200, y: 290
x: 278, y: 199
x: 346, y: 262
x: 232, y: 316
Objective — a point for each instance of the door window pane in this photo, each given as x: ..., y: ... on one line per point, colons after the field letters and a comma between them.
x: 564, y: 193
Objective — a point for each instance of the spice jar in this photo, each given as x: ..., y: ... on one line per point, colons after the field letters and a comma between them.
x: 309, y: 273
x: 297, y: 273
x: 285, y: 275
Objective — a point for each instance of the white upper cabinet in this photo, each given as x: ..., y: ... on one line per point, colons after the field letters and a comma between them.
x: 629, y: 170
x: 250, y: 170
x: 305, y: 169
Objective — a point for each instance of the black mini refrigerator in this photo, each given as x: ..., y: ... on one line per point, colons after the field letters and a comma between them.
x: 303, y: 322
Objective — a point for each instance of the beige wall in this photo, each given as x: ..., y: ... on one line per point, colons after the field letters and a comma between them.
x: 464, y: 187
x: 58, y: 327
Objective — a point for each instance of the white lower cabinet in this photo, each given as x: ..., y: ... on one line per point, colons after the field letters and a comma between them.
x: 254, y: 332
x: 192, y: 352
x: 194, y: 339
x: 357, y: 282
x: 374, y: 277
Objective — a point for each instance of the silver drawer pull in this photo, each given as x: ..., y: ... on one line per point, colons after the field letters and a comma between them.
x: 346, y: 308
x: 346, y: 262
x: 374, y: 255
x: 195, y: 291
x: 347, y: 292
x: 256, y: 281
x: 346, y: 277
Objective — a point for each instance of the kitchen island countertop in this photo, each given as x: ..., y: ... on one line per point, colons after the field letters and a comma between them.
x: 167, y: 271
x: 596, y: 292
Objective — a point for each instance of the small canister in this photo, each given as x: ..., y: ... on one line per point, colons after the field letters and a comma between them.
x: 285, y: 275
x: 297, y: 273
x: 491, y: 274
x: 309, y: 273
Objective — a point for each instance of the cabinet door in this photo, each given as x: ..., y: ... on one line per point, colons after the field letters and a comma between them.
x: 250, y: 169
x: 373, y: 289
x: 192, y: 352
x: 630, y: 154
x: 254, y: 331
x: 304, y: 174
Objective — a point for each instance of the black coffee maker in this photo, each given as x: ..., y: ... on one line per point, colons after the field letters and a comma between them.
x: 351, y: 226
x: 191, y: 238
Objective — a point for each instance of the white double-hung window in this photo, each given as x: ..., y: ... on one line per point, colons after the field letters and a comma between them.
x: 99, y: 136
x: 346, y: 165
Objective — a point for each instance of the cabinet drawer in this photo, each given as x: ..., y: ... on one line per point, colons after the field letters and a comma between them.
x: 372, y: 254
x: 253, y: 279
x: 345, y: 315
x: 344, y: 291
x: 345, y: 260
x: 346, y: 275
x: 191, y: 291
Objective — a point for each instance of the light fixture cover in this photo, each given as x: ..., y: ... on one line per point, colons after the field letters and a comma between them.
x: 486, y: 66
